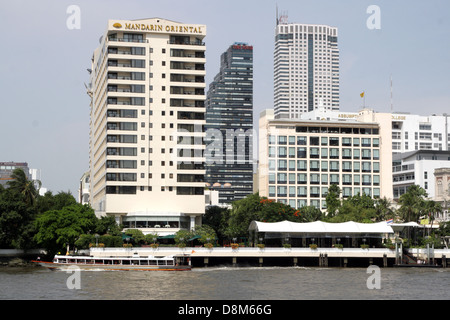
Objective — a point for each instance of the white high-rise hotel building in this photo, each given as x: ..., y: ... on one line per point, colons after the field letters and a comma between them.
x: 306, y: 69
x: 146, y: 127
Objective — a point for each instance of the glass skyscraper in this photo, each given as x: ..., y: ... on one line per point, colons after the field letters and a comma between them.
x: 229, y: 125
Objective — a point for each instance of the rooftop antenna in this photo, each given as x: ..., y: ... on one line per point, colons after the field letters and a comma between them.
x: 282, y: 18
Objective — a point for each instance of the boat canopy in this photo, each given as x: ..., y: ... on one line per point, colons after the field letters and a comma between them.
x: 320, y: 227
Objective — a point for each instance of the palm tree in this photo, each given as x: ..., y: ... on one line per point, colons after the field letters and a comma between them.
x: 22, y: 185
x: 383, y: 209
x: 432, y: 208
x: 412, y: 203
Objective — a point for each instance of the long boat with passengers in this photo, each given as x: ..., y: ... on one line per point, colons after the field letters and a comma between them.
x: 140, y: 263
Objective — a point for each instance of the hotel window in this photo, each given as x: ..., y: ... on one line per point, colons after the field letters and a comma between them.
x: 334, y: 166
x: 324, y: 179
x: 324, y: 153
x: 334, y: 179
x: 376, y: 142
x: 272, y: 165
x: 346, y: 153
x: 301, y: 165
x: 376, y: 167
x: 281, y: 191
x: 334, y: 142
x: 301, y: 178
x: 282, y: 152
x: 282, y: 140
x: 301, y: 141
x: 334, y: 153
x: 272, y: 152
x: 291, y: 165
x: 324, y: 166
x: 347, y: 179
x: 271, y: 177
x: 314, y: 192
x: 271, y: 139
x: 366, y: 166
x: 291, y: 178
x: 324, y: 192
x: 356, y: 153
x: 315, y: 178
x: 366, y: 154
x: 376, y: 154
x: 376, y: 180
x: 356, y: 179
x: 314, y: 165
x: 272, y: 191
x: 291, y: 140
x: 301, y: 192
x: 282, y: 165
x: 346, y: 192
x: 291, y: 152
x: 301, y: 152
x: 346, y: 142
x: 282, y: 178
x: 366, y: 180
x: 376, y: 192
x: 324, y: 141
x: 314, y: 141
x: 356, y: 142
x: 314, y: 152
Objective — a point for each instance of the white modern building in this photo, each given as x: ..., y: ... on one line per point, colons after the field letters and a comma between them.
x: 300, y: 159
x: 147, y: 124
x: 306, y: 68
x: 415, y: 132
x: 418, y: 168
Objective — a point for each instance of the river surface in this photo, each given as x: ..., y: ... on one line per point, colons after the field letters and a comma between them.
x: 227, y: 283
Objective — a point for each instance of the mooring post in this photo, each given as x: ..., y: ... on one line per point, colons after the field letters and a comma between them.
x: 444, y: 261
x: 295, y: 261
x: 326, y: 259
x: 261, y: 259
x: 385, y: 260
x: 206, y: 261
x: 234, y: 261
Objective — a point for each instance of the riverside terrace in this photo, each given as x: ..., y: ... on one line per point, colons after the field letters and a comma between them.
x: 286, y: 257
x: 347, y: 244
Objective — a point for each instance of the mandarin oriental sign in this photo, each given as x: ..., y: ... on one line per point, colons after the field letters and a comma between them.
x: 160, y: 28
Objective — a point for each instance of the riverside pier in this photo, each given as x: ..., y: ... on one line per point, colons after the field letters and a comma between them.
x: 283, y: 257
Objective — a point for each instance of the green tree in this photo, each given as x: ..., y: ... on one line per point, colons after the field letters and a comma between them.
x: 412, y: 203
x: 58, y: 228
x: 217, y: 218
x: 206, y: 234
x: 333, y: 200
x: 22, y: 185
x: 16, y: 219
x: 384, y: 209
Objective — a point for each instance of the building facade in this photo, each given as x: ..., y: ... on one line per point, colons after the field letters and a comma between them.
x: 7, y: 168
x: 415, y: 132
x: 442, y: 194
x: 300, y: 159
x: 229, y: 125
x: 147, y: 120
x: 306, y: 69
x: 418, y: 168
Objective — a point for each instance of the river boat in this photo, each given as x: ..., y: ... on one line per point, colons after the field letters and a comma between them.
x: 139, y: 263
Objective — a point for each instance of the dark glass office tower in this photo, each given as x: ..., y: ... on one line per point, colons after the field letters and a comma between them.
x: 229, y: 125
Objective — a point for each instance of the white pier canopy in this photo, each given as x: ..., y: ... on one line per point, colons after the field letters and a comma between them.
x: 320, y: 230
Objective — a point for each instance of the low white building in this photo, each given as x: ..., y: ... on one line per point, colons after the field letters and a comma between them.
x: 417, y: 168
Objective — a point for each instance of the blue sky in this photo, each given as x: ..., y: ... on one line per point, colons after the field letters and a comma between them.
x: 45, y: 110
